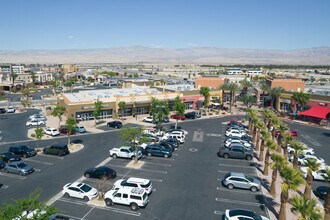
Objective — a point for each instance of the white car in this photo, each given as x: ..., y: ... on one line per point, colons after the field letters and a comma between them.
x: 133, y: 182
x: 181, y: 133
x: 234, y: 133
x: 35, y: 122
x: 79, y: 190
x: 153, y: 132
x: 307, y: 150
x: 38, y: 116
x: 148, y: 119
x: 317, y: 175
x: 233, y: 141
x: 35, y: 214
x: 303, y: 159
x: 52, y: 131
x: 177, y: 136
x: 237, y: 214
x: 11, y: 109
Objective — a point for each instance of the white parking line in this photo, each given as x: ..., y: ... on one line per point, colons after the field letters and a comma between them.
x: 226, y: 171
x: 12, y: 175
x: 238, y: 202
x: 51, y: 156
x: 88, y: 212
x: 175, y: 154
x: 4, y: 187
x: 152, y: 179
x: 159, y: 164
x: 238, y: 191
x: 218, y: 213
x: 37, y: 161
x: 147, y: 170
x: 159, y: 158
x: 240, y: 166
x: 37, y: 170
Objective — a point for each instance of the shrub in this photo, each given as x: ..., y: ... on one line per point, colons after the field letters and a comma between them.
x: 223, y: 113
x: 33, y: 135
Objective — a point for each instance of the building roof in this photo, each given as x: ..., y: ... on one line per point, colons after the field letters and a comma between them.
x: 284, y: 77
x: 182, y: 87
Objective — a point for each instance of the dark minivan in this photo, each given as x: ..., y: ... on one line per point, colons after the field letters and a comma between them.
x: 23, y: 151
x: 57, y: 149
x: 157, y: 150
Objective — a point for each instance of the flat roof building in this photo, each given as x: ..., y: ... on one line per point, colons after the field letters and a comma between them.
x: 290, y: 84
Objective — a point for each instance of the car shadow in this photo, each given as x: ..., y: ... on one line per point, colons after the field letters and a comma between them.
x: 326, y: 134
x: 76, y: 141
x: 271, y: 204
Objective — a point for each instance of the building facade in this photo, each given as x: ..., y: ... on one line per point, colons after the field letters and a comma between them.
x: 290, y: 84
x: 212, y: 82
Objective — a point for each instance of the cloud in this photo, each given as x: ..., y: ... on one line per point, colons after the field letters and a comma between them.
x: 70, y: 37
x: 192, y: 45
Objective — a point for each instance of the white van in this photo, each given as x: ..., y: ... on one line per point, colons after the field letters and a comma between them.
x: 179, y: 137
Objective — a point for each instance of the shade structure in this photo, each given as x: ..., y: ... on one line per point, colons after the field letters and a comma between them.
x: 317, y: 112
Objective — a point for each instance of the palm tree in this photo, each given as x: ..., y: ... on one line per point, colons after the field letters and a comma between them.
x: 271, y: 146
x: 205, y: 91
x: 278, y: 161
x: 301, y: 98
x: 281, y: 128
x: 288, y: 138
x: 305, y: 207
x: 254, y: 133
x: 298, y: 147
x: 266, y: 114
x: 275, y: 93
x: 292, y: 179
x: 312, y: 166
x: 326, y: 177
x: 274, y: 121
x: 13, y: 78
x: 252, y: 114
x: 223, y: 88
x: 232, y: 88
x: 245, y: 83
x: 260, y: 126
x: 264, y: 87
x: 265, y: 135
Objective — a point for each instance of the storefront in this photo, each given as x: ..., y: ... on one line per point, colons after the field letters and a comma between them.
x: 285, y: 105
x: 191, y: 101
x: 85, y: 116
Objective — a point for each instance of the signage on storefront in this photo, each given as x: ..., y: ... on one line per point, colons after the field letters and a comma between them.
x: 322, y: 104
x: 189, y: 99
x: 201, y: 98
x: 286, y: 100
x: 87, y: 107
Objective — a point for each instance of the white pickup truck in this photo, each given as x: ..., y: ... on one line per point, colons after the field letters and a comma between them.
x: 125, y: 152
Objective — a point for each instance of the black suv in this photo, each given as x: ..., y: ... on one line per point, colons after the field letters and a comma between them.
x: 172, y: 141
x: 23, y: 150
x: 9, y: 157
x: 57, y: 149
x: 115, y: 124
x: 2, y: 110
x: 190, y: 115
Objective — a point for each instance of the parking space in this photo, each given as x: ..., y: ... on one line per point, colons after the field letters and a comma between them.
x: 106, y: 128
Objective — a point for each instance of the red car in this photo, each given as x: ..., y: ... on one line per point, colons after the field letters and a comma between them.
x: 64, y: 130
x: 181, y: 117
x: 293, y: 133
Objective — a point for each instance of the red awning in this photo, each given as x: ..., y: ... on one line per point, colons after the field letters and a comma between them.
x: 318, y: 112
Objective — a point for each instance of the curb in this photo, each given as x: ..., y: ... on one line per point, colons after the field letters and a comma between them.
x: 220, y: 116
x: 302, y: 123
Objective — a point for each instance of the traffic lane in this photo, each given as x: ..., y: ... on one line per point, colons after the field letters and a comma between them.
x: 317, y: 138
x: 317, y: 183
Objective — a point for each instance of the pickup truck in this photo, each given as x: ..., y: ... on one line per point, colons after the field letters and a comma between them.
x: 236, y: 152
x: 124, y: 152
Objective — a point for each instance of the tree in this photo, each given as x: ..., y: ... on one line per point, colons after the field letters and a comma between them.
x: 39, y: 135
x: 259, y: 127
x: 205, y: 91
x: 282, y: 129
x: 278, y: 161
x: 133, y: 137
x: 98, y: 107
x: 25, y: 103
x: 292, y: 179
x: 288, y: 138
x: 326, y: 177
x: 180, y: 107
x: 271, y: 146
x: 121, y: 108
x: 264, y: 88
x: 20, y: 208
x: 69, y: 84
x: 13, y: 77
x: 58, y: 112
x: 249, y: 101
x: 223, y: 88
x: 232, y: 88
x: 305, y: 207
x: 265, y: 135
x: 26, y: 92
x: 298, y: 147
x: 312, y: 165
x: 275, y: 93
x: 70, y: 125
x: 55, y: 84
x: 245, y: 83
x: 301, y: 99
x: 159, y: 110
x: 33, y: 76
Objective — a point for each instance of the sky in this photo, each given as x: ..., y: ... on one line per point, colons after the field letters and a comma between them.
x: 86, y: 24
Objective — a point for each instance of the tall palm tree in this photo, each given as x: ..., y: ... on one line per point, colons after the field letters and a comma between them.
x: 252, y: 114
x: 305, y: 207
x: 254, y: 131
x: 298, y: 147
x: 265, y: 135
x: 13, y: 77
x: 232, y: 88
x: 264, y: 88
x: 282, y: 129
x: 288, y: 138
x: 326, y: 177
x: 260, y: 126
x: 278, y: 161
x: 245, y: 83
x: 223, y: 88
x: 275, y: 93
x: 292, y: 179
x: 271, y: 146
x: 274, y: 121
x: 301, y: 98
x: 312, y: 165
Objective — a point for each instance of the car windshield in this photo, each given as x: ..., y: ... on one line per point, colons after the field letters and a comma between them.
x: 86, y: 188
x: 249, y: 178
x: 22, y: 165
x: 131, y: 149
x: 162, y: 148
x: 24, y: 147
x: 7, y: 154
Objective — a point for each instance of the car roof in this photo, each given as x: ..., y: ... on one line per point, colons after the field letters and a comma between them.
x: 136, y: 191
x: 243, y: 212
x: 16, y: 162
x: 77, y: 184
x: 236, y: 174
x: 137, y: 180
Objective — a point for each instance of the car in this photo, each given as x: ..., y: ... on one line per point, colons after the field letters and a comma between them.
x: 9, y: 157
x: 177, y: 136
x: 157, y: 150
x: 235, y: 141
x: 49, y: 108
x: 115, y: 124
x: 133, y: 182
x: 240, y: 180
x: 28, y: 214
x: 307, y: 150
x: 234, y: 133
x: 292, y: 132
x: 321, y: 192
x: 243, y: 138
x: 2, y: 164
x: 80, y: 129
x: 167, y: 146
x: 150, y: 138
x: 148, y: 119
x: 302, y: 159
x: 18, y: 167
x: 52, y: 131
x: 38, y: 116
x: 177, y: 132
x: 190, y: 115
x: 172, y: 141
x: 79, y: 190
x: 179, y: 117
x: 237, y: 128
x: 124, y: 152
x: 59, y: 217
x: 23, y: 151
x: 57, y: 149
x: 153, y: 132
x: 236, y: 152
x: 197, y: 113
x: 317, y: 175
x: 134, y: 198
x: 237, y: 214
x: 2, y: 110
x: 166, y: 119
x: 35, y: 122
x: 11, y: 109
x: 100, y: 173
x: 64, y: 130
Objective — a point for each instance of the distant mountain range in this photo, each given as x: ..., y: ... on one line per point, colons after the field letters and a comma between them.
x: 197, y: 55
